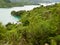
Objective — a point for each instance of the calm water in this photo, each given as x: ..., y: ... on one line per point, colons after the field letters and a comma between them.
x: 6, y: 17
x: 5, y: 13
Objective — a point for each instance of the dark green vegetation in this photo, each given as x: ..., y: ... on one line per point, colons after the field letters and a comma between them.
x: 8, y: 3
x: 19, y: 13
x: 39, y: 26
x: 14, y: 3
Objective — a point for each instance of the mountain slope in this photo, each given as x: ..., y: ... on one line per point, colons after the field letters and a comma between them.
x: 13, y: 3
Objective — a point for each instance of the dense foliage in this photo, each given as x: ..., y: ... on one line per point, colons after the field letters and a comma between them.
x: 39, y: 26
x: 8, y: 3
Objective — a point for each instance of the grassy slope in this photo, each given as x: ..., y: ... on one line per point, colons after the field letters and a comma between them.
x: 39, y: 26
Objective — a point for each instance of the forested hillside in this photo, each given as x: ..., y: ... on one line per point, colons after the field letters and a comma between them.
x: 8, y: 3
x: 38, y: 27
x: 14, y: 3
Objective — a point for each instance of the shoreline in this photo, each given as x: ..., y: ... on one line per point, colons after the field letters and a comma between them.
x: 25, y: 7
x: 33, y: 4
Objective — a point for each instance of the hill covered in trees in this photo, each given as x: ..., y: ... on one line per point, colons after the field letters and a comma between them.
x: 8, y: 4
x: 38, y: 27
x: 14, y: 3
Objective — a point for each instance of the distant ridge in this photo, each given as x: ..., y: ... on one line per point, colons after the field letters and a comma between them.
x: 14, y: 3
